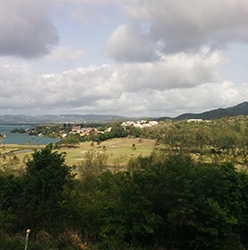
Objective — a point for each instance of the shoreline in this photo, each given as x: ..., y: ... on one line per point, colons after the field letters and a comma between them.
x: 3, y: 145
x: 7, y: 149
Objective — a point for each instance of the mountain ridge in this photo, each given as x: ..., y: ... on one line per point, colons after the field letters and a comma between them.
x: 240, y: 109
x: 63, y: 118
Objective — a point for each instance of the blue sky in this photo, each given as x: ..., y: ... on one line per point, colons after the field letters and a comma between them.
x: 132, y: 58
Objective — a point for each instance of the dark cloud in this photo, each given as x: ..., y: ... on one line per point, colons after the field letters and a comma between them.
x: 190, y: 25
x: 26, y: 30
x: 171, y: 27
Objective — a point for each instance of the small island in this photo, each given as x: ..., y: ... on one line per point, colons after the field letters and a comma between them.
x: 19, y: 130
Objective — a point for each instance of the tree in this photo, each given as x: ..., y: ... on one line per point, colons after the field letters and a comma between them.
x: 10, y: 188
x: 93, y: 164
x: 118, y: 131
x: 71, y: 141
x: 43, y: 186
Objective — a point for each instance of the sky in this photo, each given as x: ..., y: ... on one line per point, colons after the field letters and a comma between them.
x: 132, y: 58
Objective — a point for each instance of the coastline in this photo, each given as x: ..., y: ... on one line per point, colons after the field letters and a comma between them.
x: 6, y: 149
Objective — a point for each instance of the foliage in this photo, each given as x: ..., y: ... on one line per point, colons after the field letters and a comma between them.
x: 167, y: 200
x: 225, y: 139
x: 117, y: 131
x: 93, y: 163
x: 52, y: 131
x: 43, y: 186
x: 174, y: 203
x: 70, y: 141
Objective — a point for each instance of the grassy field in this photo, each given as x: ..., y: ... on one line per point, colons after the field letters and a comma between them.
x: 119, y: 151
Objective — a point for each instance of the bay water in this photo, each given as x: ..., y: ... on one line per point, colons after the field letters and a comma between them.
x: 22, y: 138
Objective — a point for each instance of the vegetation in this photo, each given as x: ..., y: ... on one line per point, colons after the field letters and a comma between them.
x: 190, y: 192
x: 225, y: 139
x: 19, y: 130
x: 166, y: 201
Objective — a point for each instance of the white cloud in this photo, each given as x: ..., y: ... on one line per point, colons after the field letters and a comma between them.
x: 128, y: 44
x: 63, y: 53
x: 173, y: 85
x: 174, y: 71
x: 90, y: 2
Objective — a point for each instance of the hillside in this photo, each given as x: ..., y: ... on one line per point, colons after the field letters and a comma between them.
x: 240, y: 109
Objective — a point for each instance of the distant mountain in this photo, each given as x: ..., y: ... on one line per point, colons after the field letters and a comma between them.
x: 78, y: 118
x: 91, y: 118
x: 240, y: 109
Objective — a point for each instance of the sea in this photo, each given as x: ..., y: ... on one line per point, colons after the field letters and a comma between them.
x: 22, y: 138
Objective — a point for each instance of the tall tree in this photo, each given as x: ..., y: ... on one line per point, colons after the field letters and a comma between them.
x: 43, y: 186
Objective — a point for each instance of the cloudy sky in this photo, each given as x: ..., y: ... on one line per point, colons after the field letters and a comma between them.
x: 125, y: 57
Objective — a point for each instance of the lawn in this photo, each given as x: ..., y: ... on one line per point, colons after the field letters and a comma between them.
x: 119, y: 150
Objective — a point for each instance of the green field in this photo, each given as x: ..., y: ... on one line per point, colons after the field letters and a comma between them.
x: 119, y: 151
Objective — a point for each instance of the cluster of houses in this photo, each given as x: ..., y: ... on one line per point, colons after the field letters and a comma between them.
x: 197, y: 120
x: 139, y: 124
x: 77, y: 129
x: 82, y: 131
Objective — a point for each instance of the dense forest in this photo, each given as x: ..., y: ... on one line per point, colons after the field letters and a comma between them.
x: 192, y: 193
